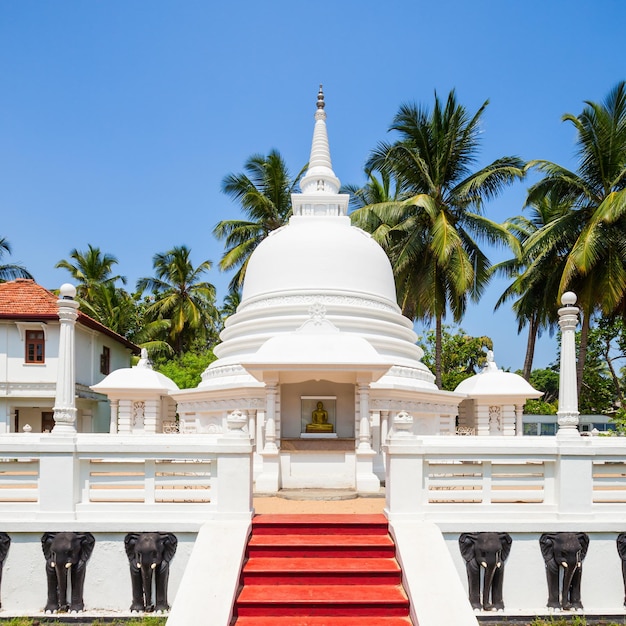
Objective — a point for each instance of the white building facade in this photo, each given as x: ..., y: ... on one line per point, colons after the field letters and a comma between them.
x: 29, y: 350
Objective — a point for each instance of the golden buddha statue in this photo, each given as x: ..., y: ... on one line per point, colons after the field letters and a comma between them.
x: 319, y: 421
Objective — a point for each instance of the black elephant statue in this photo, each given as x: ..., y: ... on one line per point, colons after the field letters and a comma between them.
x: 66, y: 558
x: 485, y: 552
x: 148, y: 554
x: 567, y: 551
x: 5, y: 542
x: 621, y: 550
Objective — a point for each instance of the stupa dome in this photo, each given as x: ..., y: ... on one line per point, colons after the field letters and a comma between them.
x: 320, y: 270
x: 319, y: 253
x: 492, y: 381
x: 140, y: 377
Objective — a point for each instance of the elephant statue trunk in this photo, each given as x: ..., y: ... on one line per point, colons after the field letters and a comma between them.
x: 486, y: 553
x: 5, y: 543
x: 621, y: 550
x: 149, y: 556
x: 492, y: 587
x: 566, y: 551
x: 66, y: 558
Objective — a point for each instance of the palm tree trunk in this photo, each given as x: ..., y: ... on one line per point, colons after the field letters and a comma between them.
x: 438, y: 350
x: 582, y: 352
x: 533, y: 327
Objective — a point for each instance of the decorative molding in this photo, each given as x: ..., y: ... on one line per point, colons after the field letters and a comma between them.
x: 139, y: 412
x: 316, y: 299
x: 22, y: 327
x: 224, y: 370
x: 206, y: 406
x: 429, y: 408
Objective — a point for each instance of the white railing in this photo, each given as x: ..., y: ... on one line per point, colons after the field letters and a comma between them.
x: 105, y: 477
x: 491, y: 479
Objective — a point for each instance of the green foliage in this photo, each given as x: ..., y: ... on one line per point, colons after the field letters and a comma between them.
x: 546, y: 380
x: 186, y: 369
x: 264, y: 194
x: 462, y: 355
x: 10, y: 271
x: 540, y: 407
x: 432, y: 229
x: 601, y: 389
x: 183, y: 308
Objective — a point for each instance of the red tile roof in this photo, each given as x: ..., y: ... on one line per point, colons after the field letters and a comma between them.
x: 25, y: 299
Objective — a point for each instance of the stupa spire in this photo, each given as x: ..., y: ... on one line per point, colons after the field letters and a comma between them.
x: 320, y: 178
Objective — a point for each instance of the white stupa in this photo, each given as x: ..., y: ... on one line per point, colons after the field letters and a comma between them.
x: 495, y: 401
x: 318, y: 323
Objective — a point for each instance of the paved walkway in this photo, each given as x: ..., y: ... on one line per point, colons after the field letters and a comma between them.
x: 319, y: 501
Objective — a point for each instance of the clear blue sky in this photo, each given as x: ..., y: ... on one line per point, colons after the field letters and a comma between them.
x: 119, y: 119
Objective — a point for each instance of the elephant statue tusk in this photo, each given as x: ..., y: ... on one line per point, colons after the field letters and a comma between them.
x: 53, y: 564
x: 499, y: 564
x: 68, y: 565
x: 153, y: 566
x: 138, y: 565
x: 564, y: 564
x: 484, y: 564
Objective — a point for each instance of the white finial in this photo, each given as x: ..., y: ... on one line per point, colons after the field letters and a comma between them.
x: 67, y: 291
x: 320, y: 98
x: 320, y: 178
x: 568, y: 298
x: 145, y: 361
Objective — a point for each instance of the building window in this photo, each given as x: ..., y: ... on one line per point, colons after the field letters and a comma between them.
x: 35, y: 346
x: 105, y: 361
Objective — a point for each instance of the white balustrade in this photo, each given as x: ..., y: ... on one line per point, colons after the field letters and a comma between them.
x: 500, y: 479
x: 118, y: 477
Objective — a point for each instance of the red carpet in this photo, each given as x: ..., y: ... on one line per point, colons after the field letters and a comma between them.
x: 316, y: 570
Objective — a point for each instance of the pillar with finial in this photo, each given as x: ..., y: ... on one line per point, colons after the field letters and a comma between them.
x: 567, y: 414
x: 65, y: 403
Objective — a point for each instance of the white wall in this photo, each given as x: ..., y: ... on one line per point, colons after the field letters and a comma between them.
x: 525, y: 589
x: 107, y: 580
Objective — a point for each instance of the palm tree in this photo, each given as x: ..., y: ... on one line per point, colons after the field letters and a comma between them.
x: 593, y: 232
x: 264, y: 192
x: 91, y: 269
x: 535, y: 278
x: 181, y: 298
x: 10, y: 271
x: 430, y: 233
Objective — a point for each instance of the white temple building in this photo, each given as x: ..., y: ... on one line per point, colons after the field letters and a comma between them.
x: 318, y: 360
x: 318, y: 322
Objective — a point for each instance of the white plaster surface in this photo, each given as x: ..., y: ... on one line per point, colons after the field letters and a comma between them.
x: 436, y: 594
x: 107, y: 579
x: 525, y: 590
x: 210, y: 582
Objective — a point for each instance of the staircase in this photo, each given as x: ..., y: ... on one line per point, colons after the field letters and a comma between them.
x: 321, y: 570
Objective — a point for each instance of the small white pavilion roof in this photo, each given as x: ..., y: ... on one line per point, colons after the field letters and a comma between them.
x: 318, y: 344
x: 492, y: 381
x: 140, y: 377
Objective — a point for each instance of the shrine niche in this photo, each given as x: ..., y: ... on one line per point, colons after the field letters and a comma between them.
x: 318, y: 416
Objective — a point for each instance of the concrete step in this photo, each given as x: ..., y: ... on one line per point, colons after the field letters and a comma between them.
x: 343, y: 524
x: 331, y: 600
x: 321, y: 571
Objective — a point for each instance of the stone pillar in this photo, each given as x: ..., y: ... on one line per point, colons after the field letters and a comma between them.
x: 364, y: 422
x: 567, y: 414
x: 268, y: 480
x: 384, y: 427
x: 270, y: 418
x: 124, y: 416
x: 519, y: 420
x: 366, y: 480
x: 252, y: 424
x: 113, y: 421
x: 151, y: 415
x: 65, y: 403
